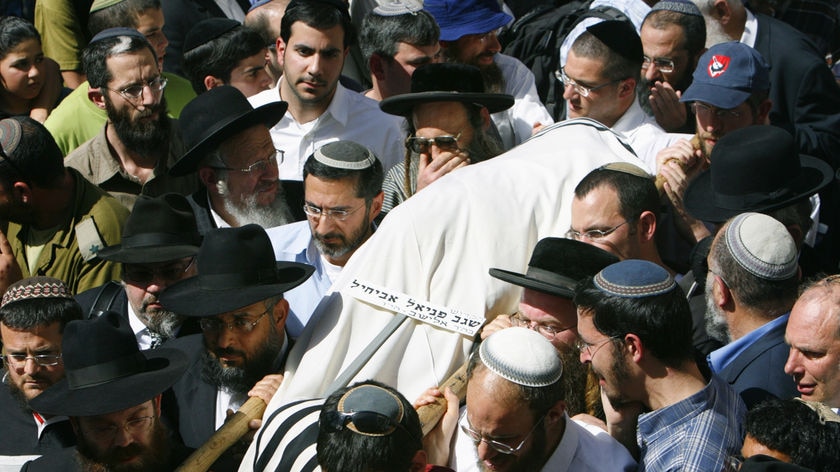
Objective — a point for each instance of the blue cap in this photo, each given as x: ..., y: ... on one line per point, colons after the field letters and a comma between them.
x: 634, y: 278
x: 115, y: 32
x: 458, y: 18
x: 727, y: 74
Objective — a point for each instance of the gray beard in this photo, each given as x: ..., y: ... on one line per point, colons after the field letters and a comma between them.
x: 247, y: 211
x: 165, y: 323
x: 716, y: 326
x: 714, y: 35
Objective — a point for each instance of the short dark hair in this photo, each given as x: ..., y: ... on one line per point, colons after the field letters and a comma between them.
x: 36, y: 159
x: 538, y: 399
x: 616, y: 66
x: 693, y: 27
x: 27, y: 314
x: 220, y: 56
x: 662, y: 322
x: 380, y: 34
x: 368, y: 180
x: 13, y: 31
x: 95, y: 56
x: 348, y: 451
x: 772, y: 297
x: 122, y: 14
x: 794, y: 429
x: 635, y: 194
x: 318, y: 14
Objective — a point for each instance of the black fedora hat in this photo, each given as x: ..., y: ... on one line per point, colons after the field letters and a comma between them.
x: 215, y: 116
x: 158, y: 229
x: 236, y: 268
x: 105, y: 371
x: 446, y: 82
x: 757, y: 168
x: 557, y: 265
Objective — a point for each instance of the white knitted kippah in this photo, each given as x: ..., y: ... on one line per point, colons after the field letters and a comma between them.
x: 522, y: 356
x: 762, y: 246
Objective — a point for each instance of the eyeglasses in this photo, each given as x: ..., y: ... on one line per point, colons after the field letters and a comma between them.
x: 548, y: 331
x: 134, y: 92
x: 498, y: 446
x: 368, y: 422
x: 444, y: 143
x: 238, y: 325
x: 144, y: 274
x: 666, y: 66
x: 705, y: 112
x: 260, y: 166
x: 582, y: 345
x: 314, y: 213
x: 18, y: 361
x: 136, y: 426
x: 583, y: 90
x: 593, y: 234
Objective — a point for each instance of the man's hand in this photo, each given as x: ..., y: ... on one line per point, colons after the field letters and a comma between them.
x: 622, y: 421
x: 665, y: 102
x: 499, y: 323
x: 264, y: 389
x: 435, y: 164
x: 678, y: 165
x: 437, y: 442
x: 9, y: 268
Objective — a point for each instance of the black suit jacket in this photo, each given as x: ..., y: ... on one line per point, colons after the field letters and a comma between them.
x: 19, y: 433
x: 758, y: 374
x: 292, y: 192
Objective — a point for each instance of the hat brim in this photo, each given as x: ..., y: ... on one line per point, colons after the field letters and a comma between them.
x: 268, y: 115
x: 720, y: 97
x: 534, y: 284
x: 146, y: 254
x: 479, y: 23
x: 701, y: 203
x: 189, y: 298
x: 166, y: 366
x: 401, y: 105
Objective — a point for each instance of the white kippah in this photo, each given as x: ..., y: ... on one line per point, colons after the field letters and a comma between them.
x: 762, y: 246
x: 522, y: 356
x: 397, y: 7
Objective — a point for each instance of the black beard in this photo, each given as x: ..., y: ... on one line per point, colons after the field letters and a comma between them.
x: 239, y: 380
x: 17, y: 394
x: 494, y: 81
x: 155, y: 456
x: 150, y: 139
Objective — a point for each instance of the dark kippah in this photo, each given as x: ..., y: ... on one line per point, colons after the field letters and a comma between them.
x: 115, y: 32
x: 208, y: 30
x: 621, y: 37
x: 340, y: 4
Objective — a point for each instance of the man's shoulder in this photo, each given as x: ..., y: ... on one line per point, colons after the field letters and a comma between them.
x: 110, y: 296
x: 265, y: 97
x: 596, y: 449
x: 98, y: 203
x: 85, y: 158
x: 289, y: 240
x: 63, y: 460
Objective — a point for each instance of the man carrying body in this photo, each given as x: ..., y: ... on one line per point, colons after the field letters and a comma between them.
x: 635, y: 330
x: 673, y: 38
x: 133, y: 152
x: 158, y: 245
x: 750, y: 289
x: 229, y: 146
x: 315, y: 37
x: 77, y: 118
x: 468, y: 35
x: 448, y: 115
x: 238, y: 296
x: 395, y: 43
x: 600, y: 79
x: 340, y: 180
x: 58, y: 221
x: 33, y: 314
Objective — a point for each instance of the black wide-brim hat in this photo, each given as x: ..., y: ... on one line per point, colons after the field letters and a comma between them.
x: 758, y: 169
x: 216, y: 115
x: 159, y: 229
x: 105, y: 371
x: 557, y: 265
x: 236, y: 268
x: 446, y: 82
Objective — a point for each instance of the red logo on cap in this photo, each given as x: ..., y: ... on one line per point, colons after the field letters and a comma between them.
x: 718, y: 65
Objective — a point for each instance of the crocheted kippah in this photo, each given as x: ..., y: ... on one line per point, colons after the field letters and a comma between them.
x: 10, y: 135
x: 375, y: 399
x: 115, y: 32
x: 762, y: 246
x: 634, y: 278
x: 397, y: 7
x: 35, y: 287
x: 522, y: 356
x: 680, y: 6
x: 103, y: 4
x: 345, y: 155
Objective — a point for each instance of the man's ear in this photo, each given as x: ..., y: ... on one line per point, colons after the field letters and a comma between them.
x: 647, y: 225
x: 95, y: 95
x: 208, y: 177
x: 376, y: 205
x: 627, y: 87
x: 279, y: 313
x: 721, y: 293
x: 485, y: 118
x: 211, y: 82
x: 280, y: 46
x: 22, y: 192
x: 376, y: 66
x: 633, y: 347
x: 762, y: 115
x: 721, y: 11
x: 556, y: 413
x: 418, y: 462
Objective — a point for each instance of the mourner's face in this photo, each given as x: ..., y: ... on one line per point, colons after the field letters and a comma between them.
x: 238, y: 337
x: 549, y: 314
x: 143, y: 285
x: 665, y: 47
x: 312, y: 62
x: 606, y: 359
x: 253, y: 174
x: 22, y: 70
x: 150, y: 24
x: 714, y: 123
x: 813, y: 334
x: 408, y: 58
x: 602, y: 103
x: 250, y: 76
x: 475, y: 49
x: 28, y: 373
x: 133, y: 439
x: 597, y: 220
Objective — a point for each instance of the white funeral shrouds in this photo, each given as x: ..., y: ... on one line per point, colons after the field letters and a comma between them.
x: 430, y: 259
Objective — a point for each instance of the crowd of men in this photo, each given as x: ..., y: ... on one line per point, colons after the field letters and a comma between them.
x: 276, y: 203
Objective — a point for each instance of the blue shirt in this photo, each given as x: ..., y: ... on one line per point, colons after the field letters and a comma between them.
x: 293, y: 242
x: 696, y: 434
x: 720, y: 358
